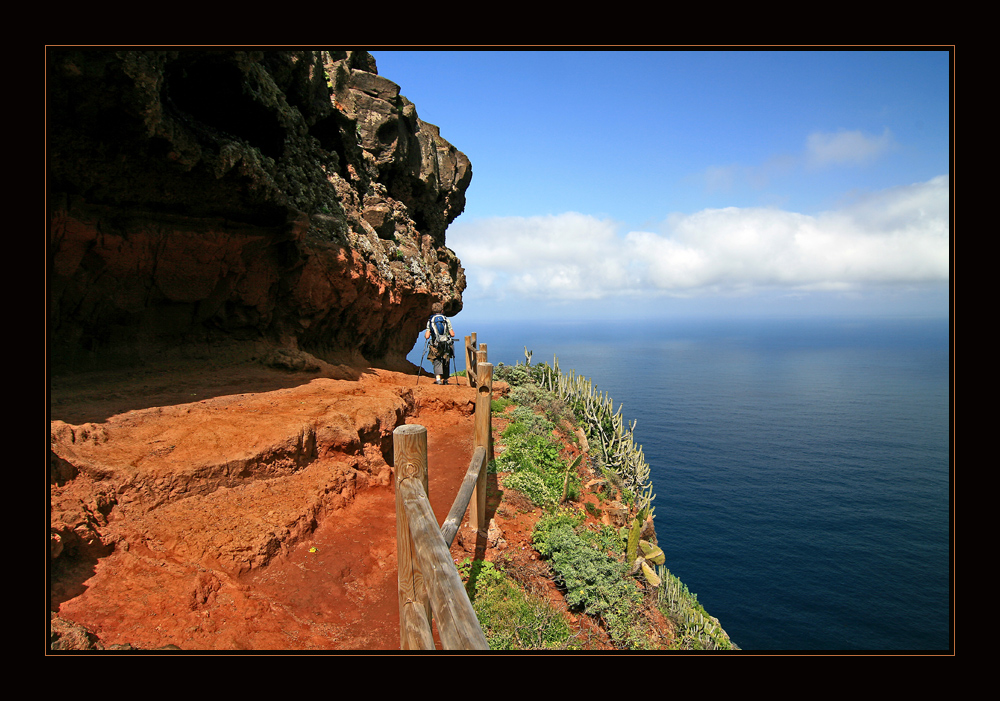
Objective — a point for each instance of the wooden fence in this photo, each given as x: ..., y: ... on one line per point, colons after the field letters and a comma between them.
x: 473, y: 357
x: 429, y: 584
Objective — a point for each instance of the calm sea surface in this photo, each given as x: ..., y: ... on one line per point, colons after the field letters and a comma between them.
x: 801, y: 468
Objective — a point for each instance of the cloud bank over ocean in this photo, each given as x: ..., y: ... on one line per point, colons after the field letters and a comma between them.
x: 896, y: 237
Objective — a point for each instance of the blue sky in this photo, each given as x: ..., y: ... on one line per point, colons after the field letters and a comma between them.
x: 685, y: 183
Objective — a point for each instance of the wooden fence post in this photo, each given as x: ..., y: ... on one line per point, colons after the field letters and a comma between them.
x: 478, y: 358
x: 484, y: 438
x: 482, y: 359
x: 470, y: 359
x: 410, y: 461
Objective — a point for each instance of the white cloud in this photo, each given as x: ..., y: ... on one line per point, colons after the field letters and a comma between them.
x: 724, y: 179
x: 822, y: 149
x: 846, y: 147
x: 566, y: 256
x: 721, y: 178
x: 890, y: 237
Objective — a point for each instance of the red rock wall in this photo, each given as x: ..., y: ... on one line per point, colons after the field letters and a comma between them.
x: 286, y: 197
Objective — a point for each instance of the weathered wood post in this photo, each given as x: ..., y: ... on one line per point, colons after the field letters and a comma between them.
x: 478, y: 358
x: 481, y: 363
x: 484, y: 438
x: 483, y: 359
x: 409, y: 443
x: 470, y: 359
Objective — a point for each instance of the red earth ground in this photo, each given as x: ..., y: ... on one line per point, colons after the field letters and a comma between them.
x: 253, y: 509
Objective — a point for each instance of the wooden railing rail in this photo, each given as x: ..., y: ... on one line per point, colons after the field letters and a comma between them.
x: 428, y: 580
x: 454, y: 519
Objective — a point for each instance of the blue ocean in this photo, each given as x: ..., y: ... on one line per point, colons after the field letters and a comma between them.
x: 801, y: 467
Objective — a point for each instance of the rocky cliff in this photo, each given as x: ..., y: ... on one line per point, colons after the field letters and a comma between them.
x: 288, y: 199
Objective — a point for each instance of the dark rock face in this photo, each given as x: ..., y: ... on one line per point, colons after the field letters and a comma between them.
x: 291, y: 198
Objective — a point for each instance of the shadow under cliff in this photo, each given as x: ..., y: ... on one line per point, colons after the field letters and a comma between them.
x: 94, y: 396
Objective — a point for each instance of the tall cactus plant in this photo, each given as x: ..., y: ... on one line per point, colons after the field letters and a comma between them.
x: 619, y: 452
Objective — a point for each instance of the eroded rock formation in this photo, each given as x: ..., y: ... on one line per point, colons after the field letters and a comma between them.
x: 288, y: 198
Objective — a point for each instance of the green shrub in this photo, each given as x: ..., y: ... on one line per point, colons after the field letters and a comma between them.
x: 531, y: 485
x: 543, y: 401
x: 528, y: 444
x: 514, y: 375
x: 499, y: 406
x: 609, y: 541
x: 510, y: 618
x: 518, y: 375
x: 563, y: 517
x: 525, y: 420
x: 525, y: 395
x: 594, y: 582
x: 556, y: 409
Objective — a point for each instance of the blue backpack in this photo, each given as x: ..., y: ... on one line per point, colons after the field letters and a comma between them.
x: 439, y: 328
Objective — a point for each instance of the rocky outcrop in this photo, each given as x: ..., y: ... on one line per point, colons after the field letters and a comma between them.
x: 286, y: 198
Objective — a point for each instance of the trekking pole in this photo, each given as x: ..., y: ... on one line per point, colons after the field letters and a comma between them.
x: 427, y: 344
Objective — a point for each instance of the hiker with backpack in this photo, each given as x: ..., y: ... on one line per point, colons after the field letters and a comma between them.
x: 441, y: 343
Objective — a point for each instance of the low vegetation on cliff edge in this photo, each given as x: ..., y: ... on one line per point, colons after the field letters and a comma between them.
x: 562, y: 449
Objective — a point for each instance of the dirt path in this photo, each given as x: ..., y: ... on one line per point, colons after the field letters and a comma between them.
x: 250, y: 521
x: 344, y: 577
x: 257, y: 512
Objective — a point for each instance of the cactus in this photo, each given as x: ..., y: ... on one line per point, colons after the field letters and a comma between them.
x: 650, y: 575
x: 619, y: 452
x: 683, y: 606
x: 569, y: 468
x: 633, y: 541
x: 643, y: 554
x: 652, y: 553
